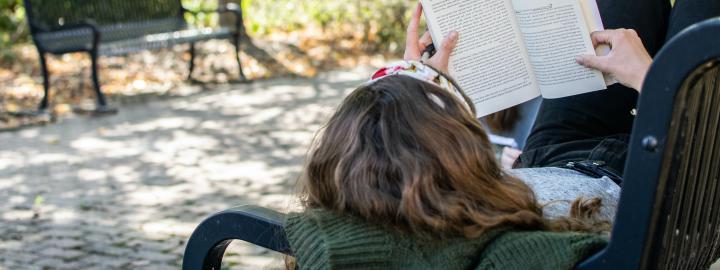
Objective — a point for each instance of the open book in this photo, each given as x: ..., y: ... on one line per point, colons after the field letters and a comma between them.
x: 511, y: 51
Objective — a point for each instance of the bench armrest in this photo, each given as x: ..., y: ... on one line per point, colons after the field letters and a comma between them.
x: 253, y: 224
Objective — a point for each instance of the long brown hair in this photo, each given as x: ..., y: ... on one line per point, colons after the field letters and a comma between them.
x: 504, y: 120
x: 406, y: 154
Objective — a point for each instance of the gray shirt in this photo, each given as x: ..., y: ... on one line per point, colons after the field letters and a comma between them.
x: 557, y: 188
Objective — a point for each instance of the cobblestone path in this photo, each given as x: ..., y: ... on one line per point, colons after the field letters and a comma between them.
x: 126, y: 191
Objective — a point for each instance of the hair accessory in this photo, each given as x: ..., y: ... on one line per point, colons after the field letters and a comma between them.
x: 425, y: 73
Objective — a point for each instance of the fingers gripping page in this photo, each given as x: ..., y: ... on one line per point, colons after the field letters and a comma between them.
x: 489, y: 62
x: 555, y: 33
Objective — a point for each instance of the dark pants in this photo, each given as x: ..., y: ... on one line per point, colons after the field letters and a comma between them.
x: 595, y: 126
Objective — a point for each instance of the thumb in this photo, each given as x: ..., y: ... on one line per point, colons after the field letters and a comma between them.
x: 595, y: 62
x: 442, y: 57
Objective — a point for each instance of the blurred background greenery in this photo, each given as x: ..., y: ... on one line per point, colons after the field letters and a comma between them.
x: 12, y: 25
x: 379, y: 23
x: 284, y: 38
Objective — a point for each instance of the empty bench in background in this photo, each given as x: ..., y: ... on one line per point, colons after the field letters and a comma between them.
x: 118, y: 27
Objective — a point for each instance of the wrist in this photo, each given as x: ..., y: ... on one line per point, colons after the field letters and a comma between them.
x: 640, y: 79
x: 638, y: 84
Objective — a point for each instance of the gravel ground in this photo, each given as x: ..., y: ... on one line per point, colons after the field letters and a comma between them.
x: 126, y: 191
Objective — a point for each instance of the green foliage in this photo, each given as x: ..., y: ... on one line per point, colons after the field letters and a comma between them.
x: 202, y: 19
x: 12, y: 26
x: 383, y: 19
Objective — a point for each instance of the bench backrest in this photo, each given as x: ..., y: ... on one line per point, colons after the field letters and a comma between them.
x: 669, y: 211
x: 49, y: 15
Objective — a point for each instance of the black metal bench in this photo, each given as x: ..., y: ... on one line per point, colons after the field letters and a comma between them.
x: 117, y: 27
x: 669, y: 211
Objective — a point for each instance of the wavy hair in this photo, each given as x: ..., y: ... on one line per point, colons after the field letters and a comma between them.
x: 408, y: 155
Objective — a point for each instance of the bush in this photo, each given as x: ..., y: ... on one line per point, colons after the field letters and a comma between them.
x: 379, y: 21
x: 12, y: 25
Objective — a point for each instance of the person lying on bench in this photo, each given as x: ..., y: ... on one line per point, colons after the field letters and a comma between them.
x: 403, y: 176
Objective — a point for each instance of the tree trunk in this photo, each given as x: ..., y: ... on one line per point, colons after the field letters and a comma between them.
x: 248, y: 46
x: 228, y: 19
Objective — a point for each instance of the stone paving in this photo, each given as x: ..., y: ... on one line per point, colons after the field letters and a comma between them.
x: 126, y: 191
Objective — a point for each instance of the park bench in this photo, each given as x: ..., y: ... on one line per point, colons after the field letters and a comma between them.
x: 669, y: 211
x: 118, y: 27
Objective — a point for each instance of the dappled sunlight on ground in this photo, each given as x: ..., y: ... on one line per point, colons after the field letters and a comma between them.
x: 150, y: 74
x: 126, y: 191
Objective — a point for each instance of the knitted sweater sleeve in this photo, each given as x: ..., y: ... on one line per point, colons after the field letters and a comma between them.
x: 323, y: 241
x: 540, y: 250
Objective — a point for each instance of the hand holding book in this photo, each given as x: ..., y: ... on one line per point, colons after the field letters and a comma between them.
x: 415, y: 45
x: 505, y: 52
x: 628, y: 61
x: 511, y: 51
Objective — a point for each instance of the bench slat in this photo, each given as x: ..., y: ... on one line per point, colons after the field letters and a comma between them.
x: 54, y: 14
x: 81, y: 40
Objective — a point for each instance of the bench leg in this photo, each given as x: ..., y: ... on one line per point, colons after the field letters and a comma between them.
x: 236, y: 41
x: 102, y: 107
x: 96, y: 81
x: 192, y: 61
x: 46, y: 81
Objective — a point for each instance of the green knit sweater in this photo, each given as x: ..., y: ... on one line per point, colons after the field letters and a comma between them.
x: 322, y: 240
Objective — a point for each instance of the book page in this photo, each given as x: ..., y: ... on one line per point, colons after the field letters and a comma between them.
x: 489, y: 62
x: 555, y: 32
